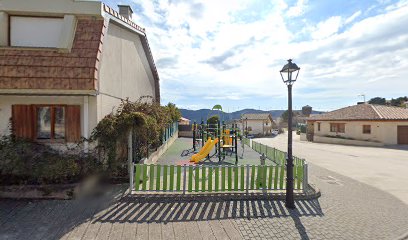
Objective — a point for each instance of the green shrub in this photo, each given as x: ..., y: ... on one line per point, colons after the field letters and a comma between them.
x: 145, y: 117
x: 26, y: 162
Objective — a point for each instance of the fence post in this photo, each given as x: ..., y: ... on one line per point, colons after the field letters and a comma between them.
x: 305, y: 176
x: 274, y: 155
x: 184, y: 178
x: 130, y: 161
x: 247, y: 179
x: 132, y: 178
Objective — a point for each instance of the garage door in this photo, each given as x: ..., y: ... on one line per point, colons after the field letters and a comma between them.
x: 402, y: 134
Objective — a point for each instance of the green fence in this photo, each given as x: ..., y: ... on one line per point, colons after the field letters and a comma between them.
x: 169, y: 131
x: 273, y: 154
x: 205, y: 178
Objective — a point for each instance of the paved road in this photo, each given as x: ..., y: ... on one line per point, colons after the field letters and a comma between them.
x: 383, y: 168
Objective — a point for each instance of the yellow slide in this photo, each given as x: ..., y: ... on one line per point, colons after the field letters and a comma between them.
x: 204, y: 151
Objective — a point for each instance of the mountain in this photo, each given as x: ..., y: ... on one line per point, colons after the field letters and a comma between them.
x: 203, y: 114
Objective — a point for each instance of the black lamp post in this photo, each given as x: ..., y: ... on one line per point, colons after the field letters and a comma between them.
x: 289, y: 74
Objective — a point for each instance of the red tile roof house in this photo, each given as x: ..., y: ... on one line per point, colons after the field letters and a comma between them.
x: 258, y: 123
x: 65, y: 64
x: 362, y: 124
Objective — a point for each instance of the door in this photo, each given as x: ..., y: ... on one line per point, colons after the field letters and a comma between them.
x: 402, y: 134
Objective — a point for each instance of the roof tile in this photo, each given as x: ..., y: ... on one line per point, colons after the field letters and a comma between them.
x: 256, y: 116
x: 364, y: 112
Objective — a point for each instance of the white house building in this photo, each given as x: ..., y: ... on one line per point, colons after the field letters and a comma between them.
x: 362, y: 124
x: 258, y: 123
x: 66, y: 64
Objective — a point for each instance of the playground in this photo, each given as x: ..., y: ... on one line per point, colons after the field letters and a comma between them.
x: 259, y: 169
x: 173, y: 155
x: 217, y: 159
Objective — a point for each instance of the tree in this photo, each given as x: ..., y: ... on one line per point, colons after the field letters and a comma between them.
x: 398, y: 102
x: 213, y: 119
x: 378, y: 101
x: 173, y: 111
x: 285, y: 115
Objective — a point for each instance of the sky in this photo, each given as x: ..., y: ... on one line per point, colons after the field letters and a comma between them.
x: 230, y: 52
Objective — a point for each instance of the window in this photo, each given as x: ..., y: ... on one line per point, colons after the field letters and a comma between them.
x: 318, y: 126
x: 35, y: 31
x: 367, y: 129
x: 337, y: 127
x: 47, y: 122
x: 50, y: 122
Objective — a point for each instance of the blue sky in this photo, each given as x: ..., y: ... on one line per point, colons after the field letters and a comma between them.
x: 230, y: 52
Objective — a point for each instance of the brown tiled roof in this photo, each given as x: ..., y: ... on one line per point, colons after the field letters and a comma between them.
x: 77, y: 70
x: 256, y: 116
x: 51, y: 69
x: 364, y: 112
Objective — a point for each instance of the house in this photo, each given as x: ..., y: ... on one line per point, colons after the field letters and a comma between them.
x: 66, y: 64
x: 361, y: 124
x: 184, y: 121
x: 258, y: 123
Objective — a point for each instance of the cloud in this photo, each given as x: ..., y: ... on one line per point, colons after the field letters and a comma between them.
x: 210, y: 50
x: 353, y: 17
x: 166, y: 62
x: 225, y: 60
x: 297, y: 10
x: 327, y: 28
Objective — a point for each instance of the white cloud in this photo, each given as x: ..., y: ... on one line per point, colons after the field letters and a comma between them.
x: 297, y: 10
x: 327, y: 28
x: 352, y: 17
x: 210, y: 52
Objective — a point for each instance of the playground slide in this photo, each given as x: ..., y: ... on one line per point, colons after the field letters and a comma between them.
x: 209, y: 145
x: 204, y: 148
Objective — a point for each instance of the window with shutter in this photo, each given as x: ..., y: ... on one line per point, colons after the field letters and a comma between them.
x: 47, y: 122
x: 22, y: 117
x: 73, y: 123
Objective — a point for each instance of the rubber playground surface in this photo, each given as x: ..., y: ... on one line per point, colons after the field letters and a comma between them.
x: 173, y: 155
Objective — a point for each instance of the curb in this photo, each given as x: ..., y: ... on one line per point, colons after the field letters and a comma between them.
x: 403, y: 237
x: 311, y: 193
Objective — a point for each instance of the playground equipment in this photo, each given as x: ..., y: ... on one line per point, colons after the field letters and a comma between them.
x: 209, y: 145
x: 224, y: 139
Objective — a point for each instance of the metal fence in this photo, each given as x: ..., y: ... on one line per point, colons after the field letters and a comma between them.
x: 185, y: 128
x: 273, y: 154
x: 207, y: 178
x: 137, y: 149
x: 169, y: 131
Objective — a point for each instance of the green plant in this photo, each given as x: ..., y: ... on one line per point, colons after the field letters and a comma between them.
x: 27, y: 162
x: 145, y: 117
x: 213, y: 120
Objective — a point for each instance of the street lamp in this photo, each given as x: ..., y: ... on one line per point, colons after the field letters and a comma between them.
x: 289, y: 74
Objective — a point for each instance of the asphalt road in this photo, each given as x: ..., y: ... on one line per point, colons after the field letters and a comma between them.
x: 384, y: 168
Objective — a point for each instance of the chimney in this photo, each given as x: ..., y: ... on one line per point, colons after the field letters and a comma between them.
x: 126, y: 11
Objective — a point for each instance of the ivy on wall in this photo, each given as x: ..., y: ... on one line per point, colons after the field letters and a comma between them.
x: 145, y: 117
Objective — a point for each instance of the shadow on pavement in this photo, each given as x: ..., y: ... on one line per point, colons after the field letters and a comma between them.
x: 131, y: 209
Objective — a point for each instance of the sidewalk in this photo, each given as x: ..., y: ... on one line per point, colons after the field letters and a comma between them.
x: 346, y: 210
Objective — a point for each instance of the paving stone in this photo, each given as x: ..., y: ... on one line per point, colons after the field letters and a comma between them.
x: 348, y: 211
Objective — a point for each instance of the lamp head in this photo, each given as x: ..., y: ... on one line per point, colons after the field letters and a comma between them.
x: 289, y: 72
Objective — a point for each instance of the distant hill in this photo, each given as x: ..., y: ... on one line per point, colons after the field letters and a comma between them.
x: 203, y: 114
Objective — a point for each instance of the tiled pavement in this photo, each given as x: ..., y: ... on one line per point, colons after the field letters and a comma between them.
x: 346, y: 210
